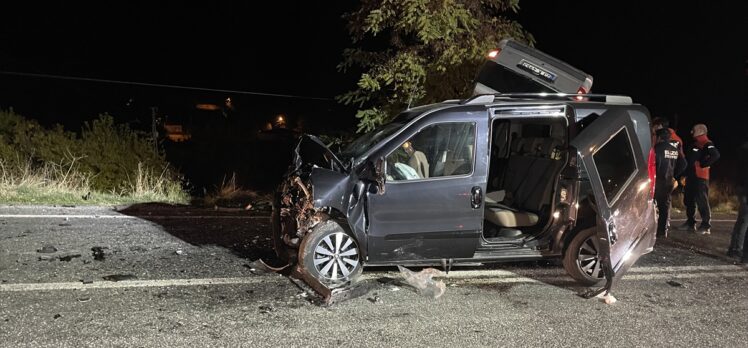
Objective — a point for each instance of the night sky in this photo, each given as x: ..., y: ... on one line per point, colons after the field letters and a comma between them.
x: 683, y: 60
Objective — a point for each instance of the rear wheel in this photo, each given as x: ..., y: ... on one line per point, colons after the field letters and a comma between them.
x: 582, y: 258
x: 331, y: 254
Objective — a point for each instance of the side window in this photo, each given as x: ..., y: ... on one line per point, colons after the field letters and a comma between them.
x: 615, y: 163
x: 438, y: 150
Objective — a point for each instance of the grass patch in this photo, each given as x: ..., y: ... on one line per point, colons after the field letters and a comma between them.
x: 63, y: 183
x: 230, y: 194
x: 722, y: 198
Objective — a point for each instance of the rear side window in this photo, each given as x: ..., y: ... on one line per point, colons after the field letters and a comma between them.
x: 615, y: 164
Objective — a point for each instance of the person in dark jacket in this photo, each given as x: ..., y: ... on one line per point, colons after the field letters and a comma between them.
x: 700, y: 157
x: 739, y: 242
x: 669, y: 163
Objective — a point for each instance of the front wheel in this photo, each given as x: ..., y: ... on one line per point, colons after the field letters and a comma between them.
x: 582, y: 258
x: 331, y: 254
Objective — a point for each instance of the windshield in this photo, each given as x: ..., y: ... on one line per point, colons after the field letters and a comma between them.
x: 365, y: 142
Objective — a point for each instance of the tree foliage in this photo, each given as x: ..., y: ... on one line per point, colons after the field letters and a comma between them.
x: 420, y: 51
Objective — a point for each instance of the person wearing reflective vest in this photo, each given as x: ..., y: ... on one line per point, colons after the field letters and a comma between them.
x: 669, y: 163
x: 700, y: 157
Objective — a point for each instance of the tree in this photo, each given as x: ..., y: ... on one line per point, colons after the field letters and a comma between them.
x: 420, y: 51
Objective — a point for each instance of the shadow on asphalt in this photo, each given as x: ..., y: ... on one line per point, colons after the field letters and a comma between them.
x: 245, y: 233
x: 248, y: 235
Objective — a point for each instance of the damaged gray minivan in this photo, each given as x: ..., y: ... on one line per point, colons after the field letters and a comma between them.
x: 493, y: 178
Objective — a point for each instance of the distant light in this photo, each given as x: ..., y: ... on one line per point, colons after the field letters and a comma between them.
x: 493, y: 54
x: 208, y: 107
x: 556, y: 214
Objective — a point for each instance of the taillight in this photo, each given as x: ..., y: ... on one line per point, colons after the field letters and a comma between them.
x: 652, y: 171
x: 581, y: 90
x: 493, y: 54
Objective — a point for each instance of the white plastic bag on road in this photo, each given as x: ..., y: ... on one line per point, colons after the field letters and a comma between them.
x: 423, y: 281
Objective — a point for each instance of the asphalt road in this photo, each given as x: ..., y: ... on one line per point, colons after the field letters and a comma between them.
x: 154, y: 279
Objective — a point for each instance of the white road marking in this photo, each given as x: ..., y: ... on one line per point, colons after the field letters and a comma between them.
x: 127, y: 284
x: 474, y: 276
x: 159, y: 217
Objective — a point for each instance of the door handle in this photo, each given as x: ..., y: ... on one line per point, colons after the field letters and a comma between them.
x: 476, y: 197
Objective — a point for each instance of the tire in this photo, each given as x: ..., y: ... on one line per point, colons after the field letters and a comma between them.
x: 331, y: 254
x: 582, y: 260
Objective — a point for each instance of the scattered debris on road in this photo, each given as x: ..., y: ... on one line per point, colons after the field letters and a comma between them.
x: 179, y: 252
x: 607, y: 298
x: 98, y: 253
x: 67, y: 258
x: 87, y: 280
x: 119, y: 277
x: 47, y: 249
x: 423, y: 281
x: 675, y: 284
x: 264, y: 309
x: 375, y: 300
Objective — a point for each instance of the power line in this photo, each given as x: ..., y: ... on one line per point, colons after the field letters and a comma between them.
x: 88, y: 79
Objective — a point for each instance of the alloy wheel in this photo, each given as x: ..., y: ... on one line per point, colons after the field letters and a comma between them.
x: 336, y: 256
x: 588, y: 258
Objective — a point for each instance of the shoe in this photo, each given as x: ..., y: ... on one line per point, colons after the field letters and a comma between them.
x: 687, y: 226
x: 704, y: 230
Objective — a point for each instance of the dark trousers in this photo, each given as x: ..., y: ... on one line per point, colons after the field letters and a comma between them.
x: 662, y: 199
x: 739, y: 242
x: 696, y: 193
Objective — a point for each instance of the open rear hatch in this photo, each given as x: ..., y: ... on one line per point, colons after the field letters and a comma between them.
x: 516, y: 68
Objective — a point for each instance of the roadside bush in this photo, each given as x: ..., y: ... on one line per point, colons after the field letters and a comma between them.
x: 105, y: 158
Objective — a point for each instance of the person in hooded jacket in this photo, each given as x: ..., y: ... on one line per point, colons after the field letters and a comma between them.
x: 739, y: 242
x: 700, y: 157
x: 669, y: 163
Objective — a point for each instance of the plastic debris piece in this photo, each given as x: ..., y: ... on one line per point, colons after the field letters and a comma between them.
x: 423, y: 281
x: 607, y: 298
x: 673, y: 283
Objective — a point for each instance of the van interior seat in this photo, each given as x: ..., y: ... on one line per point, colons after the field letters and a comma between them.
x: 504, y: 216
x: 528, y: 182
